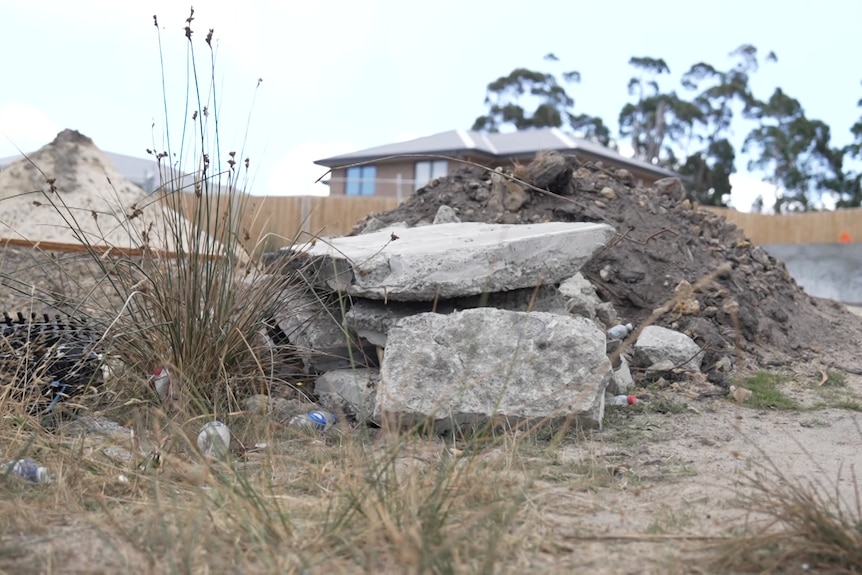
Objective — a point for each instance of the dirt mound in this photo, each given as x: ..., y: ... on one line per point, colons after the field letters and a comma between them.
x: 86, y: 195
x: 746, y: 300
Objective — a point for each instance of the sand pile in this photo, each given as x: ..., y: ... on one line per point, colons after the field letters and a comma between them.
x: 664, y: 243
x: 88, y: 199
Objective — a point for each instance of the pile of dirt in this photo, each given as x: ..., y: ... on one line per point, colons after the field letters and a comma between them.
x: 746, y: 304
x: 68, y: 189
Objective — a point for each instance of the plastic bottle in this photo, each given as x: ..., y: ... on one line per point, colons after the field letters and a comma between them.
x: 620, y: 331
x: 319, y: 420
x: 27, y: 469
x: 622, y: 400
x: 214, y: 439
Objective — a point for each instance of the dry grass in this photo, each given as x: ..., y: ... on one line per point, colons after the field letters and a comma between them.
x: 799, y: 524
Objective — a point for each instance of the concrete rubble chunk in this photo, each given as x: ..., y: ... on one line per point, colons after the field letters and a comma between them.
x: 472, y: 366
x: 350, y: 391
x: 657, y: 344
x: 582, y: 298
x: 371, y: 319
x: 452, y: 260
x: 446, y: 215
x: 315, y: 329
x: 621, y: 380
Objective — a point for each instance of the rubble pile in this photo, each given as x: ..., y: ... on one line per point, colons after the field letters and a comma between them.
x: 449, y: 309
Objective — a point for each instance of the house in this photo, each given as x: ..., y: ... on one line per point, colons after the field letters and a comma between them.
x: 400, y: 169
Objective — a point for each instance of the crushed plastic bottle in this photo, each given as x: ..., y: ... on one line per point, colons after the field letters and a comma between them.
x: 620, y: 331
x: 214, y: 439
x: 621, y: 400
x: 319, y: 420
x: 27, y: 469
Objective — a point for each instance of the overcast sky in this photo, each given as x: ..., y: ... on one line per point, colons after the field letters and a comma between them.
x: 339, y: 76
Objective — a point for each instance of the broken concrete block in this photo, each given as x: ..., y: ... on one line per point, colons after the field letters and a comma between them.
x: 446, y: 215
x: 607, y: 314
x: 349, y: 391
x: 452, y: 260
x: 581, y: 296
x: 371, y: 319
x: 315, y: 329
x: 473, y: 366
x: 658, y: 344
x: 621, y: 380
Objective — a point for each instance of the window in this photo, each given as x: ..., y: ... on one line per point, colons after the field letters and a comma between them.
x: 428, y: 170
x: 360, y: 181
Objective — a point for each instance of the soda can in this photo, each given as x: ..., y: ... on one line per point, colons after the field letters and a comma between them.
x: 27, y: 469
x: 317, y: 420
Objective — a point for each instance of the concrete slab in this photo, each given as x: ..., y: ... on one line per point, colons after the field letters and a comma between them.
x: 832, y: 271
x: 456, y: 259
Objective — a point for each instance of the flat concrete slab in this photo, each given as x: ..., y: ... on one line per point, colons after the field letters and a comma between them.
x: 455, y: 259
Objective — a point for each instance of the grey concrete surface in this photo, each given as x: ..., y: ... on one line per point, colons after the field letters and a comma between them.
x: 831, y: 271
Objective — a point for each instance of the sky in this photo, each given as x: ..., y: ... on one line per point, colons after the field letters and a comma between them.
x: 344, y: 75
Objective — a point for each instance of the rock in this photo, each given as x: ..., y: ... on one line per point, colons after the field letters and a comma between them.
x: 446, y: 215
x: 671, y: 187
x: 464, y: 368
x: 582, y: 298
x: 350, y: 391
x: 515, y: 196
x: 609, y: 193
x: 451, y: 260
x: 656, y: 344
x: 371, y: 319
x: 317, y: 333
x: 551, y: 171
x: 621, y: 380
x: 375, y: 225
x: 607, y: 314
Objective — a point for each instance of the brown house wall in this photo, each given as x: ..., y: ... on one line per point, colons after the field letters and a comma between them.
x: 388, y: 172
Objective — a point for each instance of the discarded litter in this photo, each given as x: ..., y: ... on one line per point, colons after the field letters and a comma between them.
x: 620, y: 331
x: 622, y: 400
x: 160, y: 382
x: 319, y: 420
x: 27, y: 469
x: 214, y: 439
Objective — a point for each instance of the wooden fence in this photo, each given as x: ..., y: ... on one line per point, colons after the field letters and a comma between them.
x: 840, y: 226
x: 273, y: 221
x: 287, y: 216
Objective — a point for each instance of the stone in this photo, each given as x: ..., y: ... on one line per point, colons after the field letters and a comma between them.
x: 581, y: 296
x: 452, y: 260
x: 316, y: 331
x: 609, y: 193
x: 349, y: 391
x: 607, y: 314
x: 671, y: 187
x: 515, y: 196
x: 658, y: 344
x: 621, y: 380
x: 373, y: 224
x: 446, y: 215
x: 551, y: 171
x: 371, y: 319
x: 487, y: 364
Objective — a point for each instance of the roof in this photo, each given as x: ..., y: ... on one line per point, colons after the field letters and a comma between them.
x: 498, y: 146
x: 142, y: 172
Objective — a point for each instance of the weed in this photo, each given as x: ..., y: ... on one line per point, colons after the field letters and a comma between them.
x: 766, y: 392
x: 796, y: 523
